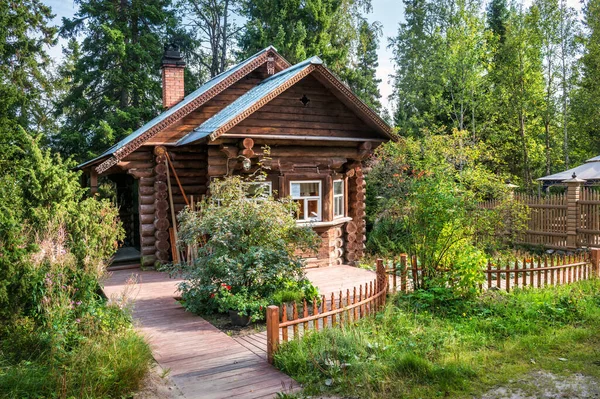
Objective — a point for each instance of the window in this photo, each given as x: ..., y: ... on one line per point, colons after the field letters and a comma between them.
x: 338, y: 198
x: 308, y: 196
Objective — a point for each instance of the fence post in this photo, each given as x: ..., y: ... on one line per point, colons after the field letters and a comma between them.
x: 382, y: 281
x: 573, y: 190
x: 595, y: 259
x: 272, y: 331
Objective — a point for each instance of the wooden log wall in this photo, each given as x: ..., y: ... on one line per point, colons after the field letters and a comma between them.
x: 190, y: 164
x: 356, y: 229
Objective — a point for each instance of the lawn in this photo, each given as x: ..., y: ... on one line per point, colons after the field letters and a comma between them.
x: 430, y: 344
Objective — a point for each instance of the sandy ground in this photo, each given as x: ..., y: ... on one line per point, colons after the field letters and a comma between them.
x: 545, y: 385
x: 158, y: 385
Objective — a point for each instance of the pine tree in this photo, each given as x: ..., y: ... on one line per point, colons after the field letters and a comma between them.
x: 115, y: 84
x: 25, y: 83
x: 362, y: 79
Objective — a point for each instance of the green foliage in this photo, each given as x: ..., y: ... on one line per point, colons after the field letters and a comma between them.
x: 57, y: 333
x: 426, y: 201
x: 114, y: 84
x: 249, y: 244
x: 25, y: 84
x: 242, y: 302
x: 435, y: 344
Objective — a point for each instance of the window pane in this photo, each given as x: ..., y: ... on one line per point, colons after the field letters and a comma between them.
x: 300, y: 214
x: 338, y: 206
x: 338, y: 187
x: 313, y: 209
x: 305, y: 189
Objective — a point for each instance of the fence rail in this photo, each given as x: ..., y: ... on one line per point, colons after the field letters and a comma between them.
x: 350, y: 307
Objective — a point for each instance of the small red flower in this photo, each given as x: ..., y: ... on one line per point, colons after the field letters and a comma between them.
x: 212, y: 295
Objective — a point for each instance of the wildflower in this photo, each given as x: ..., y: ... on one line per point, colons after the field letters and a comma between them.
x: 78, y: 303
x: 77, y: 320
x: 212, y: 295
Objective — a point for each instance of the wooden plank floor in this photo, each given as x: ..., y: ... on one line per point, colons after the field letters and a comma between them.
x: 203, y: 361
x: 329, y: 280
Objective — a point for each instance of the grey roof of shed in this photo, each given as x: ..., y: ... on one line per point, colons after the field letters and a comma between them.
x: 188, y: 99
x: 247, y: 100
x: 590, y: 170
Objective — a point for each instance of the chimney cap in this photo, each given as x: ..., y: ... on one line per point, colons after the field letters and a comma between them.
x: 172, y: 56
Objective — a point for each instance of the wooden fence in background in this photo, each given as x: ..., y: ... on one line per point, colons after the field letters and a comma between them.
x: 566, y: 220
x: 344, y: 308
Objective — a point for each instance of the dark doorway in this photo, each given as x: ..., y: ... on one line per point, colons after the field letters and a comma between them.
x: 127, y: 201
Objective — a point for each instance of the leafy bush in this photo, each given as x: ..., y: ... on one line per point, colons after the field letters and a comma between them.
x: 427, y: 193
x: 57, y: 333
x: 249, y: 244
x: 242, y: 302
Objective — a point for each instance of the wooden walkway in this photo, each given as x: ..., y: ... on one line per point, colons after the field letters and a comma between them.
x: 203, y: 361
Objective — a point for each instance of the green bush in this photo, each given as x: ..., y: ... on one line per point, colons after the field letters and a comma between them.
x: 250, y: 244
x: 58, y: 336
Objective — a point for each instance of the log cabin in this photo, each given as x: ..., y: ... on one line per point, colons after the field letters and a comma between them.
x: 318, y: 131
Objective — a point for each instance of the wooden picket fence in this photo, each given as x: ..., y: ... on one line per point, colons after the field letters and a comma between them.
x: 339, y: 309
x: 526, y: 272
x: 541, y: 271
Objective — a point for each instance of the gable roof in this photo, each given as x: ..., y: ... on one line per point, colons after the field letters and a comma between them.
x: 270, y: 88
x: 244, y: 103
x: 191, y: 102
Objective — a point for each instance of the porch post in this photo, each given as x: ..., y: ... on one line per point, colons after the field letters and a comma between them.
x: 573, y: 191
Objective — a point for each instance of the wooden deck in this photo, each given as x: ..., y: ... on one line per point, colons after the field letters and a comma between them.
x: 203, y: 361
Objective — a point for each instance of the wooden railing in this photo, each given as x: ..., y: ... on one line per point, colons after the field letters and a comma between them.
x: 338, y: 309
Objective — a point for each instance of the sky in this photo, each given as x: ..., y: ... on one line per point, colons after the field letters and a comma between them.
x: 389, y: 12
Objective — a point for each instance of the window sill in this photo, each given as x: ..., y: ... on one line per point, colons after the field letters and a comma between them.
x: 329, y: 223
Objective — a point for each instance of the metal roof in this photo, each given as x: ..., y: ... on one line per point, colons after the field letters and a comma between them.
x: 187, y: 99
x: 246, y: 101
x: 590, y: 170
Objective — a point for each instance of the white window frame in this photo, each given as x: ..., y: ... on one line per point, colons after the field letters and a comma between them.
x: 319, y: 199
x: 342, y: 196
x: 260, y: 183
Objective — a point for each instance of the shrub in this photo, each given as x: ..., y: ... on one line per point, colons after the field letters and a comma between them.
x: 250, y: 244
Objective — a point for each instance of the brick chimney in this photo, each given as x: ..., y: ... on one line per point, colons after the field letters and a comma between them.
x: 172, y: 76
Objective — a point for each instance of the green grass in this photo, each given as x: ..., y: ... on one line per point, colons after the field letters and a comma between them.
x: 432, y: 345
x: 105, y: 366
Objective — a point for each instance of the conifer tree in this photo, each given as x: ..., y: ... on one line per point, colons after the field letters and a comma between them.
x: 115, y: 83
x: 25, y: 83
x: 362, y: 78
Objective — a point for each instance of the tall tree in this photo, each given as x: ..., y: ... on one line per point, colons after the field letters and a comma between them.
x: 549, y: 30
x: 212, y: 24
x: 25, y: 83
x: 115, y: 83
x: 568, y: 49
x: 418, y: 57
x: 362, y: 79
x: 517, y: 81
x: 302, y: 28
x: 587, y: 97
